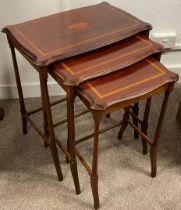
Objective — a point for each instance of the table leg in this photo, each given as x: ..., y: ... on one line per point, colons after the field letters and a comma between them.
x: 144, y: 126
x: 154, y: 146
x: 71, y: 137
x: 20, y: 91
x: 45, y: 123
x: 43, y: 74
x: 94, y: 173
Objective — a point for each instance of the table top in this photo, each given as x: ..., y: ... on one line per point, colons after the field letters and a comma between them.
x: 73, y: 71
x: 134, y: 81
x: 59, y: 36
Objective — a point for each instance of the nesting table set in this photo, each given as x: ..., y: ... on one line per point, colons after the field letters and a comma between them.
x: 102, y: 55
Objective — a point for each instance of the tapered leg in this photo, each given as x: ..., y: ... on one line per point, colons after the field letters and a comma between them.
x: 144, y: 126
x: 20, y: 91
x: 71, y: 138
x: 45, y: 123
x: 46, y: 104
x: 154, y: 147
x: 94, y: 174
x: 125, y: 123
x: 135, y: 121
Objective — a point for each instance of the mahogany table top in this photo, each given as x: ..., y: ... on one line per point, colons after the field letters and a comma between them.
x: 69, y: 33
x: 134, y: 81
x: 75, y: 70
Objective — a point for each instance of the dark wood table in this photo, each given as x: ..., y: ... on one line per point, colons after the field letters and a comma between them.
x: 58, y: 37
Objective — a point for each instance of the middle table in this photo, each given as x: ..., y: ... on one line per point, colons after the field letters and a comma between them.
x: 71, y: 72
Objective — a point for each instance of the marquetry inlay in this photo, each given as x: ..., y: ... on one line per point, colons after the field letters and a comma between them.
x: 77, y: 26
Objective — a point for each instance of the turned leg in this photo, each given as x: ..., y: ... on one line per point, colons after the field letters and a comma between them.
x: 94, y: 174
x: 46, y: 104
x: 71, y: 138
x: 144, y: 126
x: 135, y: 121
x: 125, y: 123
x: 154, y: 146
x: 20, y: 91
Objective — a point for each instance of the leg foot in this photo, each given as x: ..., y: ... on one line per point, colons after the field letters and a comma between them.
x: 55, y: 157
x: 94, y: 187
x: 73, y: 167
x: 153, y: 156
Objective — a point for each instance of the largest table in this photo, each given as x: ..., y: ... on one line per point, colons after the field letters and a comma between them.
x: 60, y: 36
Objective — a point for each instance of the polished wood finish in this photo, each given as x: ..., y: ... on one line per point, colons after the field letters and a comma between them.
x: 76, y: 70
x: 136, y: 80
x: 65, y: 34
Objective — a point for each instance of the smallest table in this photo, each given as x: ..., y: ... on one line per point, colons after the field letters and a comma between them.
x: 119, y: 90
